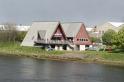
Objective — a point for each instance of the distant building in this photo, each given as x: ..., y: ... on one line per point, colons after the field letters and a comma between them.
x: 22, y: 28
x: 66, y: 36
x: 1, y: 27
x: 18, y: 27
x: 89, y: 29
x: 101, y: 29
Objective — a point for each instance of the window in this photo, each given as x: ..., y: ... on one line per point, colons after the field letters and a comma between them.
x: 86, y: 39
x: 77, y: 39
x: 81, y: 39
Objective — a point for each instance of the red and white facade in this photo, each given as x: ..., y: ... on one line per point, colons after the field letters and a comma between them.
x: 82, y: 38
x: 68, y: 36
x: 79, y: 38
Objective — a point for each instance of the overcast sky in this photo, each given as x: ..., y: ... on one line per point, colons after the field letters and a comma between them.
x: 90, y: 12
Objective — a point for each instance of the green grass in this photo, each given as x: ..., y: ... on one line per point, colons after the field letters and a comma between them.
x: 106, y: 55
x: 15, y: 49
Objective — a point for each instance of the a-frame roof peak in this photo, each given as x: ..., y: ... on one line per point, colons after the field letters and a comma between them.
x: 71, y: 28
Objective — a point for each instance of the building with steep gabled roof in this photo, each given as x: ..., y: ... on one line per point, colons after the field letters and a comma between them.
x: 66, y: 36
x: 45, y: 34
x: 77, y: 34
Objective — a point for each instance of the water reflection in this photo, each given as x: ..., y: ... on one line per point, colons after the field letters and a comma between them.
x: 32, y: 70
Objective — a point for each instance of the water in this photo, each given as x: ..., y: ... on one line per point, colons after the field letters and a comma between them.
x: 18, y: 69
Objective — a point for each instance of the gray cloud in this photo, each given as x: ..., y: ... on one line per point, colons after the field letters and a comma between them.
x: 88, y: 11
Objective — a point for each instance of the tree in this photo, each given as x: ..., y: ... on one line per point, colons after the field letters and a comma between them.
x: 20, y: 36
x: 109, y: 37
x: 95, y: 40
x: 120, y: 38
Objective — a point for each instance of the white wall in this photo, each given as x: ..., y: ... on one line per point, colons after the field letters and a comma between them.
x: 61, y: 48
x: 82, y: 47
x: 56, y: 47
x: 68, y: 48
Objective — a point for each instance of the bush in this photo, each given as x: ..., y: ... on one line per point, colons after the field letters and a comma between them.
x: 108, y: 37
x: 20, y: 36
x: 8, y: 36
x: 8, y: 33
x: 118, y: 50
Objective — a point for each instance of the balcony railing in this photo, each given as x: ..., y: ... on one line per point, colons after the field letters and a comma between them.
x: 53, y: 42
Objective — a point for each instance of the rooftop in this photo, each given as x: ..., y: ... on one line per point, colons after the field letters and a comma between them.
x: 116, y: 24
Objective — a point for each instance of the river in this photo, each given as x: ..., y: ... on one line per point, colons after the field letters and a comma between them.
x: 21, y: 69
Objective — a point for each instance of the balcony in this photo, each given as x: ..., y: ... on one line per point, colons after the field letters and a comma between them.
x: 52, y: 42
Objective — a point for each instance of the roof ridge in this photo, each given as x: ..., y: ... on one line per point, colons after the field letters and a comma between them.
x: 116, y: 24
x: 72, y: 22
x: 45, y: 21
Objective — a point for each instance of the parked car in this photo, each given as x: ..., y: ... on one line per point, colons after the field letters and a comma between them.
x: 49, y: 48
x: 95, y: 48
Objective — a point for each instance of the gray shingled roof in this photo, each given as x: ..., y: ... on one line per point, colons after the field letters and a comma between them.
x: 71, y: 29
x: 47, y: 27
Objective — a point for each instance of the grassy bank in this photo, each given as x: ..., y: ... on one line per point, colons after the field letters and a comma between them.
x: 15, y: 48
x: 106, y: 57
x: 88, y: 56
